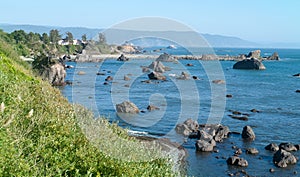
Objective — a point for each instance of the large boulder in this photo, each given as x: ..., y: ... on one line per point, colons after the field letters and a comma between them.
x: 55, y: 74
x: 127, y: 107
x: 274, y: 56
x: 157, y: 66
x: 288, y: 147
x: 237, y: 161
x: 205, y: 146
x: 283, y: 158
x: 221, y: 133
x: 157, y: 76
x: 187, y: 127
x: 248, y: 133
x: 166, y: 58
x: 183, y: 129
x: 254, y: 54
x: 249, y: 64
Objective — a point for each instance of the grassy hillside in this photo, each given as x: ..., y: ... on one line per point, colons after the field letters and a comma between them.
x: 42, y: 135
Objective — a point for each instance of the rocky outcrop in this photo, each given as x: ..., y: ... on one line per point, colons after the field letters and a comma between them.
x: 248, y: 133
x: 187, y: 127
x: 237, y: 161
x: 122, y: 58
x: 249, y: 64
x: 127, y: 107
x: 55, y: 74
x: 156, y: 76
x: 274, y: 56
x: 157, y: 66
x: 221, y: 133
x: 283, y: 158
x: 254, y: 54
x: 166, y: 58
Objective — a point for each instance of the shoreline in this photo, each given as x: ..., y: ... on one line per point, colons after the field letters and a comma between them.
x: 205, y: 57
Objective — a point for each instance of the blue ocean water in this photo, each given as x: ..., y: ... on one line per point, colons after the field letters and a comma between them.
x: 272, y: 91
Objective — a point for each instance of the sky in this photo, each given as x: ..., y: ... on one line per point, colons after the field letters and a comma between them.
x: 253, y: 20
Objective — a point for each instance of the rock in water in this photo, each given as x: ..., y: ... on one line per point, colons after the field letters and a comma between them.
x: 157, y: 66
x: 184, y: 76
x: 252, y: 151
x: 297, y: 75
x: 122, y: 58
x: 288, y: 147
x: 187, y: 127
x: 272, y: 147
x: 152, y: 108
x: 218, y: 81
x: 283, y: 158
x: 156, y: 76
x: 248, y: 133
x: 166, y: 58
x: 205, y: 146
x: 274, y: 56
x: 249, y: 64
x: 237, y: 161
x: 183, y: 129
x: 221, y: 133
x: 127, y: 107
x: 254, y: 54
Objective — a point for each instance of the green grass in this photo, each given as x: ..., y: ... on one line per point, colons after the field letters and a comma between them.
x: 42, y: 134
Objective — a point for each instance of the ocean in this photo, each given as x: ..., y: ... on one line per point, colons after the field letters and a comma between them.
x: 271, y: 91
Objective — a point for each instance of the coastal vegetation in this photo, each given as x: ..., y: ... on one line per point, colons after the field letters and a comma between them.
x: 42, y: 134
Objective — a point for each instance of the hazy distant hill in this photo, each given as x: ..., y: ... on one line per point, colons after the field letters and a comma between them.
x: 213, y: 40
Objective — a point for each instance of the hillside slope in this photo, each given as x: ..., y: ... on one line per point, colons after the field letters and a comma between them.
x: 41, y: 134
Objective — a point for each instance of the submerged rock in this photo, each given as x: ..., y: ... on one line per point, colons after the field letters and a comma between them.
x: 218, y: 82
x: 249, y: 64
x: 127, y: 107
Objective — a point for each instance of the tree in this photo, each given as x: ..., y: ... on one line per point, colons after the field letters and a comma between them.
x: 102, y: 39
x: 69, y: 38
x: 54, y: 36
x: 45, y: 38
x: 84, y: 38
x: 19, y: 36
